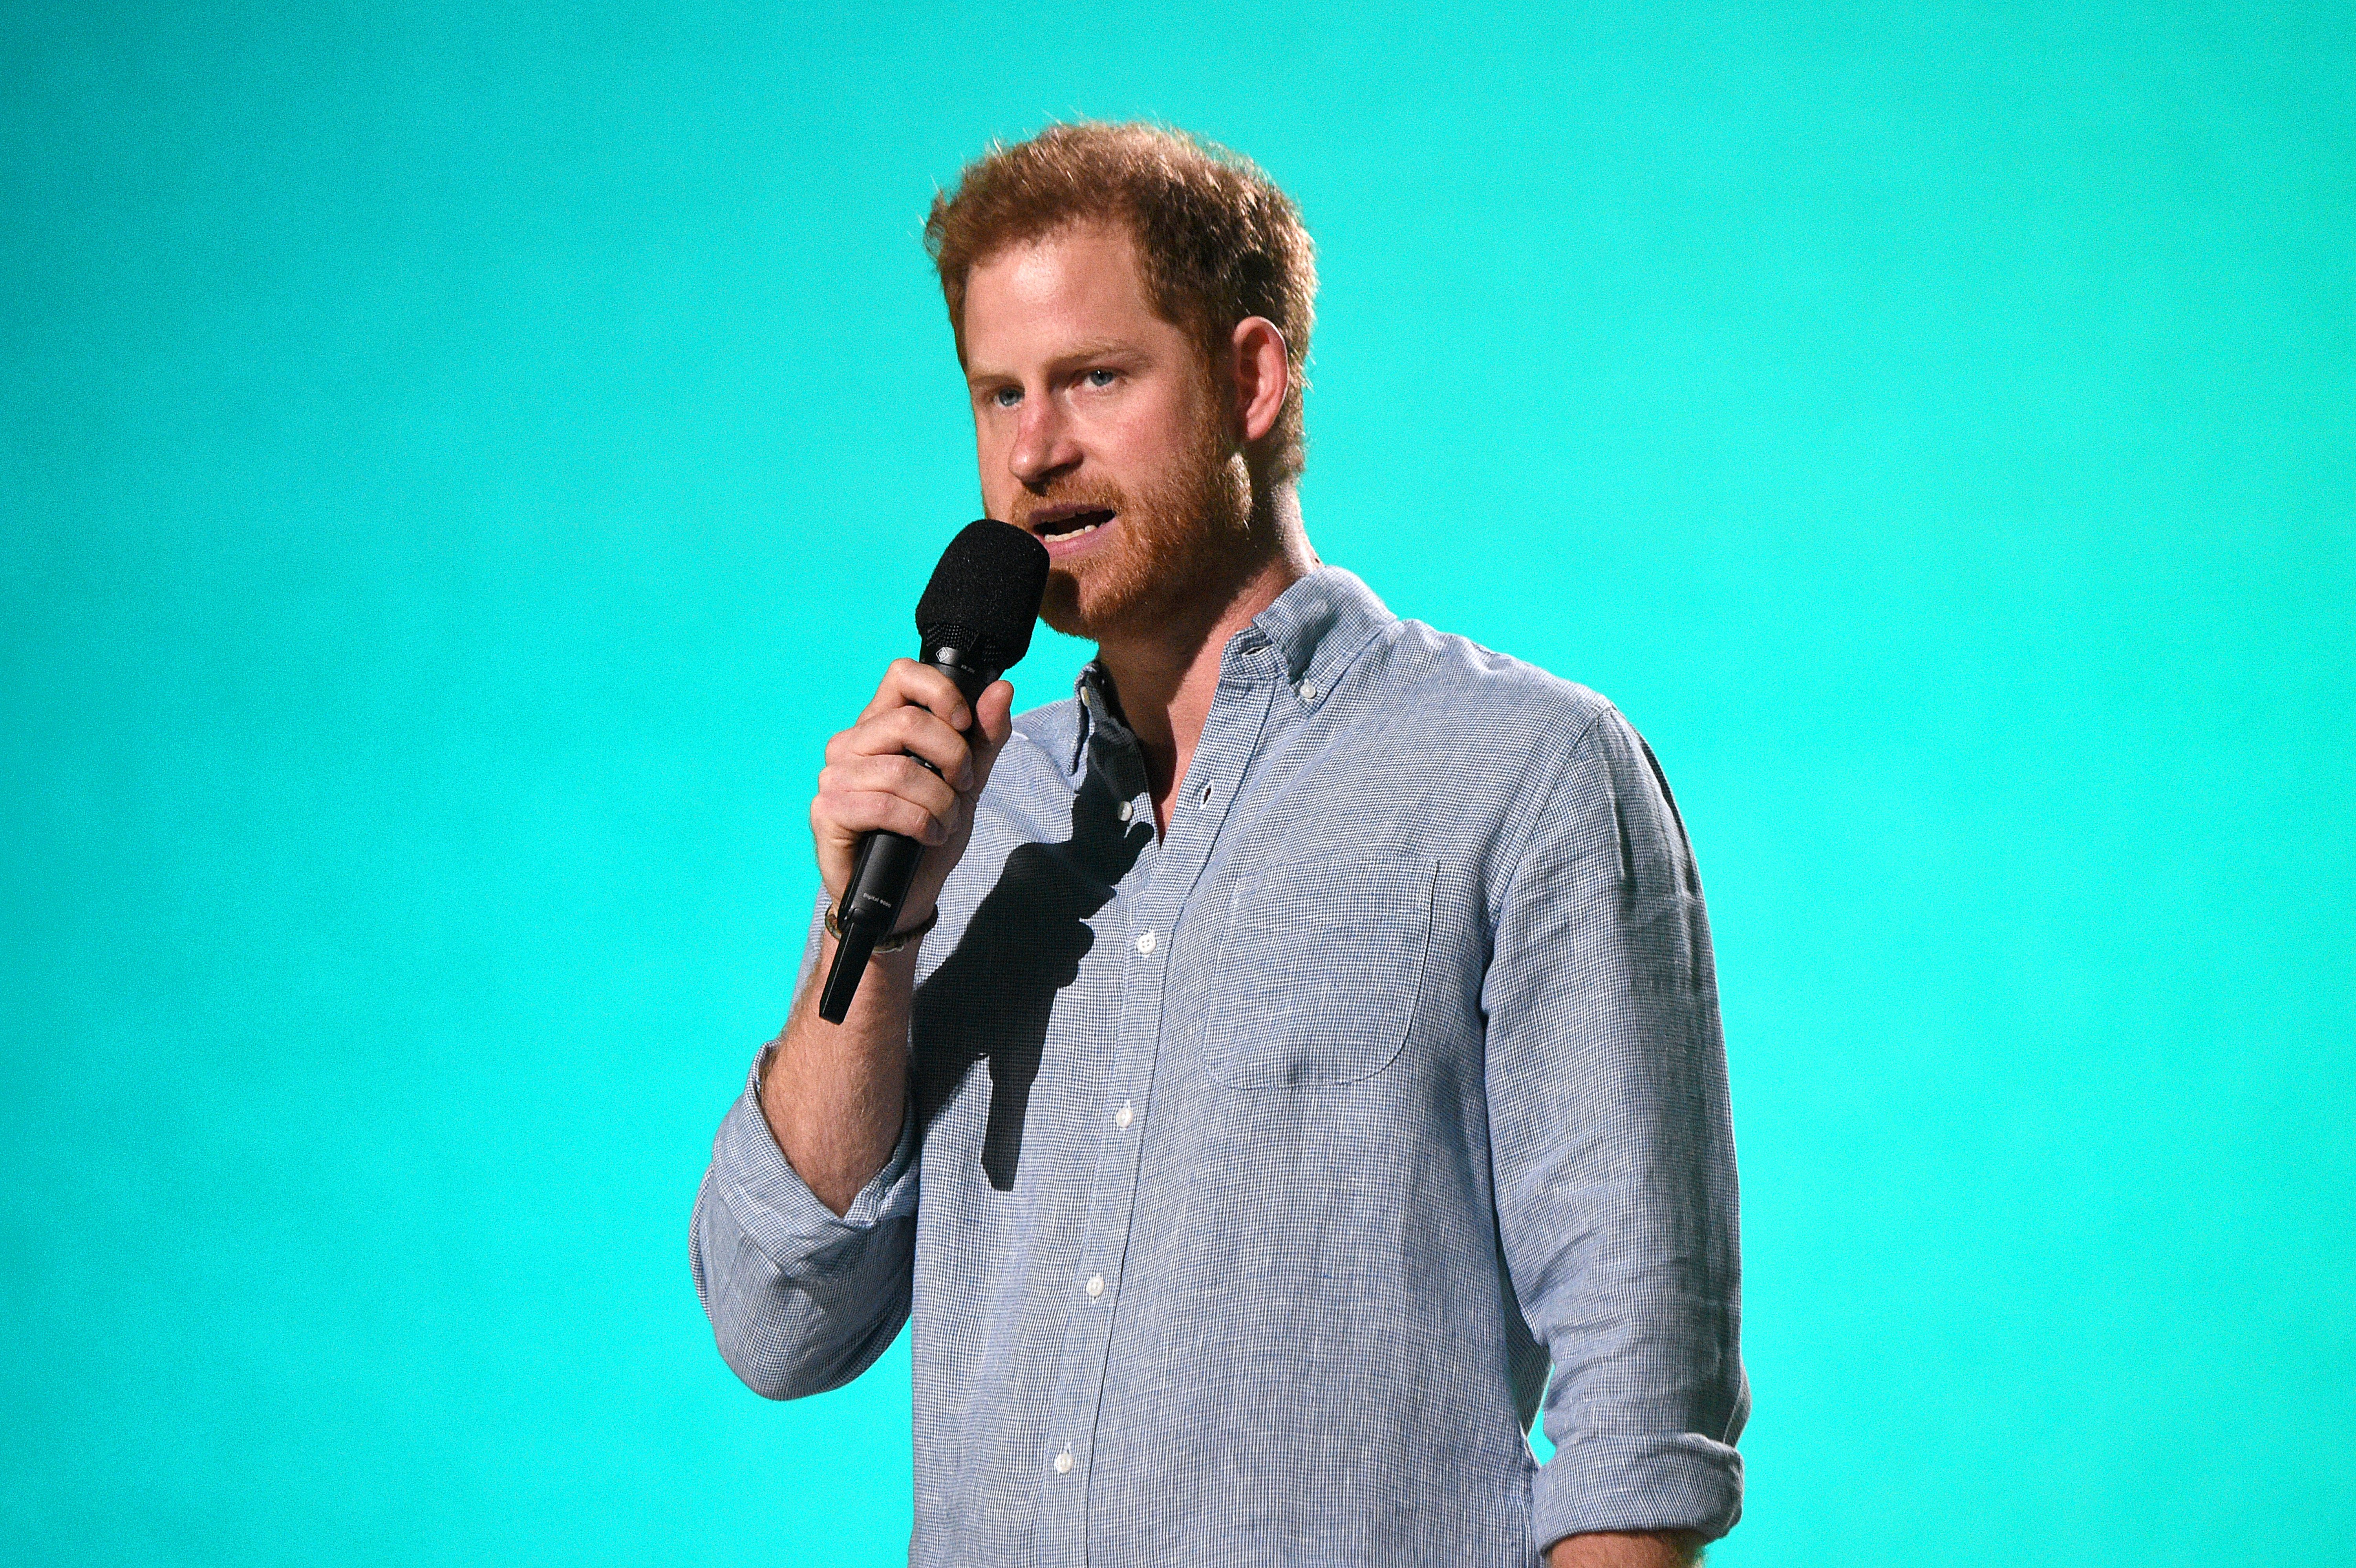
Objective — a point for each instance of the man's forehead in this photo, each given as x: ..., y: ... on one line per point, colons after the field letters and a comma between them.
x: 1092, y: 247
x: 1064, y: 291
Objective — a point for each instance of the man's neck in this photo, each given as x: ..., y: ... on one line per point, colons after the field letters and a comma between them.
x: 1167, y: 676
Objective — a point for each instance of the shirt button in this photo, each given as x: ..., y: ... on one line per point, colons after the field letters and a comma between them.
x: 1122, y: 1117
x: 1063, y: 1463
x: 1126, y: 811
x: 1096, y: 1286
x: 1145, y: 942
x: 1309, y: 691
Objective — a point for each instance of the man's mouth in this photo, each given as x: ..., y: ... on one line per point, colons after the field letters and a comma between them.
x: 1056, y: 523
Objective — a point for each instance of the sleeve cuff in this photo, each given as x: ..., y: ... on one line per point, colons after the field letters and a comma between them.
x: 775, y: 1209
x: 1673, y: 1481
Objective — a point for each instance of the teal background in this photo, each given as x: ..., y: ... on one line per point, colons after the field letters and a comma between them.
x: 461, y: 461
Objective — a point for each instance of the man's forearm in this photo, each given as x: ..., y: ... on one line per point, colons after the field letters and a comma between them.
x: 835, y: 1095
x: 1619, y: 1549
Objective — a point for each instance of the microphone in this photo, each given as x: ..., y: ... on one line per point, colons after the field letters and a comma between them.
x: 973, y: 622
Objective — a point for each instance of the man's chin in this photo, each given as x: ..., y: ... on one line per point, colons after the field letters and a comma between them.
x: 1070, y: 608
x: 1063, y: 615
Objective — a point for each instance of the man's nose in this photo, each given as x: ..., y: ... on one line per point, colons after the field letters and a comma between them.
x: 1043, y: 446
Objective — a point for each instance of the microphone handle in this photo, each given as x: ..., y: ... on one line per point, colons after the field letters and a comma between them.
x: 880, y: 877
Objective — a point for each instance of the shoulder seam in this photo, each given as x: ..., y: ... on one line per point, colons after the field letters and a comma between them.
x: 1527, y: 829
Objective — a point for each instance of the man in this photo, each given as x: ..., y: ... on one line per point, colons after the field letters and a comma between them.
x: 1304, y: 1037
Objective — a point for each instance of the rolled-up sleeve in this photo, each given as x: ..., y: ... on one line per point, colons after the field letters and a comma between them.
x: 1613, y: 1151
x: 800, y: 1300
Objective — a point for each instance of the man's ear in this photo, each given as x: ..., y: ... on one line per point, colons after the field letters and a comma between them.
x: 1263, y: 375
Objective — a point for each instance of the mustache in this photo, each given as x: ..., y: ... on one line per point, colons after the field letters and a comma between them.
x: 1093, y: 497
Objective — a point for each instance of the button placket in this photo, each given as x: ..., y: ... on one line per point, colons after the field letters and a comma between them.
x: 1239, y: 718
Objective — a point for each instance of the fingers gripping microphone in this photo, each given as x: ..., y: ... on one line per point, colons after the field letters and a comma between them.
x: 973, y: 623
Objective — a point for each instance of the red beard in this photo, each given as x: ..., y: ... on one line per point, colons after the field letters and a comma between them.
x: 1179, y: 540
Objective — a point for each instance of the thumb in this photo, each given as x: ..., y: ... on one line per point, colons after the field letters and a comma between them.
x: 993, y: 715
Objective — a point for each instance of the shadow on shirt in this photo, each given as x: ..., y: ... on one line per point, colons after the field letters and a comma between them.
x: 993, y: 997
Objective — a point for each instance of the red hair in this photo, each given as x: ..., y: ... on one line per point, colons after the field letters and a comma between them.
x: 1217, y: 240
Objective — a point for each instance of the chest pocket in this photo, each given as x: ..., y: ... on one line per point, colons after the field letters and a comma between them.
x: 1319, y: 973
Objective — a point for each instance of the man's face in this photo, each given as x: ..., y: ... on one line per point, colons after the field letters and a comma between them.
x: 1098, y: 429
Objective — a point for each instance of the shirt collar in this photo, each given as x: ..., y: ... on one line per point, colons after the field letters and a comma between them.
x: 1316, y: 627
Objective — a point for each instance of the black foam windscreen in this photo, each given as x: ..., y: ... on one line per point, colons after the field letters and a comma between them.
x: 984, y: 595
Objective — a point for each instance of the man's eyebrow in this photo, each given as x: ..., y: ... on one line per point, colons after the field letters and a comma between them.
x: 1099, y: 348
x: 1094, y: 348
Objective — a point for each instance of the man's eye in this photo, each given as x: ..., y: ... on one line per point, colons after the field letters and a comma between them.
x: 1099, y: 378
x: 1007, y: 397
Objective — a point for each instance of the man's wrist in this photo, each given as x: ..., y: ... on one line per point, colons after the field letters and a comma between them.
x: 1626, y: 1549
x: 905, y: 937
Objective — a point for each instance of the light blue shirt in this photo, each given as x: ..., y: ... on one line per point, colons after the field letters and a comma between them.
x: 1256, y: 1173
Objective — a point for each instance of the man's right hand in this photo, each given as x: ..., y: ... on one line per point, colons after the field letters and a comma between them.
x: 833, y: 1095
x: 873, y: 780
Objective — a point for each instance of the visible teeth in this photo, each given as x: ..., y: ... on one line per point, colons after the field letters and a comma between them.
x: 1075, y: 533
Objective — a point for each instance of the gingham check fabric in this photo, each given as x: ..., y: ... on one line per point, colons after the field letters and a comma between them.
x: 1255, y: 1176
